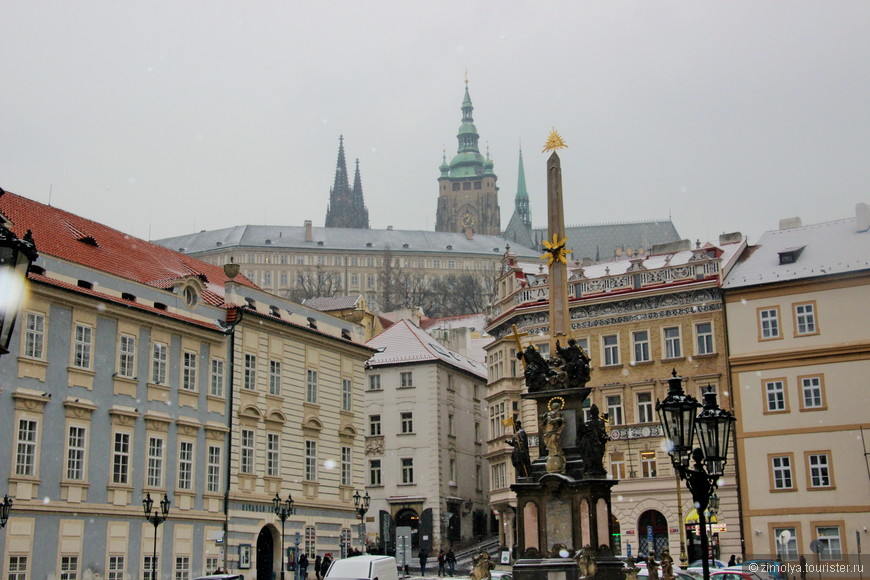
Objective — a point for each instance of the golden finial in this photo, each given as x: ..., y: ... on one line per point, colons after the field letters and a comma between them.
x: 554, y: 141
x: 555, y: 250
x: 466, y: 76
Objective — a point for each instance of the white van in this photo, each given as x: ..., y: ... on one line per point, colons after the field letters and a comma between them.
x: 367, y: 567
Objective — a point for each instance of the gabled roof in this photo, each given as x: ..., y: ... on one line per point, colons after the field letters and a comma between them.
x: 75, y: 239
x: 330, y: 303
x: 404, y: 343
x: 827, y: 248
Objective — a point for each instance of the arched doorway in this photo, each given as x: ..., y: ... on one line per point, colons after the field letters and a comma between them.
x: 651, y: 523
x: 409, y: 517
x: 265, y: 553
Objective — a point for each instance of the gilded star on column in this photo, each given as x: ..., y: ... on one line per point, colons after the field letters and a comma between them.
x: 554, y: 142
x: 555, y: 250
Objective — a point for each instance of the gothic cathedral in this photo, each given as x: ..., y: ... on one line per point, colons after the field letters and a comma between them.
x: 346, y: 207
x: 467, y: 190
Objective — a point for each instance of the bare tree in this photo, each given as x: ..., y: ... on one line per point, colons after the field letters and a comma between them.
x: 315, y: 282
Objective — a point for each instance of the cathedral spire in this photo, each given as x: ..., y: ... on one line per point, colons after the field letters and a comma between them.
x: 521, y: 202
x: 346, y: 207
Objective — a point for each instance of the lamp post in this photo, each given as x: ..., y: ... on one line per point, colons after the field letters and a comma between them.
x: 5, y: 508
x: 361, y: 503
x: 155, y: 518
x: 16, y: 255
x: 713, y: 428
x: 283, y: 509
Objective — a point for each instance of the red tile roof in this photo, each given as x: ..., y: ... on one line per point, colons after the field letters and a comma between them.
x: 69, y: 237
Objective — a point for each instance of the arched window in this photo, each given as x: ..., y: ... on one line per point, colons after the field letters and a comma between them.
x: 311, y: 541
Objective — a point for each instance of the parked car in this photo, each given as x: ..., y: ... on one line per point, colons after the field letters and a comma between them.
x: 713, y: 564
x: 364, y: 567
x: 737, y: 573
x: 772, y: 568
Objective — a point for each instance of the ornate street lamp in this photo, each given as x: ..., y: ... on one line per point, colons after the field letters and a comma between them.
x: 5, y: 508
x: 283, y: 509
x: 713, y: 427
x: 361, y: 503
x: 16, y: 255
x: 155, y: 518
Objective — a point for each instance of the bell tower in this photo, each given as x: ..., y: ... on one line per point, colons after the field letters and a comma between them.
x: 467, y: 190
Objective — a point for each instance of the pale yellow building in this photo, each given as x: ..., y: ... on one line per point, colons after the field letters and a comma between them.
x: 797, y: 311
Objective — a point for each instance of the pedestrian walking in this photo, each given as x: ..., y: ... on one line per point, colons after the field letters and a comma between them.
x: 303, y: 566
x: 451, y: 561
x: 324, y: 565
x: 318, y: 561
x: 423, y: 558
x: 441, y: 562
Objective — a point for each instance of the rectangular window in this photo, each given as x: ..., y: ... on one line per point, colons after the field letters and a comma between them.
x: 188, y: 371
x: 374, y: 425
x: 374, y: 382
x: 819, y: 470
x: 346, y: 466
x: 375, y: 472
x: 617, y: 465
x: 185, y: 465
x: 116, y: 568
x: 155, y: 462
x: 310, y: 460
x: 805, y: 319
x: 346, y: 395
x: 497, y: 415
x: 69, y: 567
x: 673, y: 348
x: 648, y: 463
x: 407, y: 420
x: 17, y: 568
x: 247, y: 451
x: 159, y: 355
x: 82, y: 345
x: 213, y: 469
x: 273, y: 454
x: 614, y: 409
x: 812, y: 396
x: 283, y: 276
x: 786, y: 543
x: 498, y: 476
x: 217, y: 377
x: 407, y: 379
x: 407, y: 470
x: 640, y: 338
x: 310, y: 541
x: 34, y: 335
x: 75, y: 454
x: 610, y: 344
x: 451, y: 468
x: 704, y: 338
x: 782, y: 476
x: 644, y: 408
x: 25, y: 452
x: 121, y: 459
x: 450, y: 425
x: 775, y: 396
x: 832, y: 547
x: 274, y: 377
x: 311, y: 387
x: 250, y: 376
x: 583, y: 343
x: 182, y: 568
x: 768, y: 320
x: 127, y: 356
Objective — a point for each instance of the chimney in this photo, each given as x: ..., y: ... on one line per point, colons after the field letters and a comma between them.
x: 790, y: 223
x: 309, y: 233
x: 862, y: 214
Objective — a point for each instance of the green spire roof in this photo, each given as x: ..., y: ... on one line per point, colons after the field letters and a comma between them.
x: 468, y: 161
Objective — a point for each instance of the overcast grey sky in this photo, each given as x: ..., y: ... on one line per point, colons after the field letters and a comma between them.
x: 164, y: 117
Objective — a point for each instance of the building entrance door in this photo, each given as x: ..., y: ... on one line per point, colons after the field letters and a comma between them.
x: 265, y: 554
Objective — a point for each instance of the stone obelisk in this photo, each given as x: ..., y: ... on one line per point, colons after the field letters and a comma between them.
x: 560, y: 319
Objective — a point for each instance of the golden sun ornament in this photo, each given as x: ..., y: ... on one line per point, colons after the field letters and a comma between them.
x: 555, y: 250
x: 554, y: 142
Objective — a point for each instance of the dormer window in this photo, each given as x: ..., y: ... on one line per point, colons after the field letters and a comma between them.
x: 790, y: 255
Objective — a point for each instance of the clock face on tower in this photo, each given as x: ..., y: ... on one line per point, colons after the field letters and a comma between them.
x: 467, y: 220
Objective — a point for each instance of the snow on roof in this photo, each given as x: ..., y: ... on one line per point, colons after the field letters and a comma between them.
x: 823, y: 249
x: 325, y: 304
x: 404, y: 342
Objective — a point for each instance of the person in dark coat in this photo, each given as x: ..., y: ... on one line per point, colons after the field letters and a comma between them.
x: 441, y: 562
x: 303, y: 566
x: 324, y: 565
x: 318, y: 566
x: 451, y: 561
x: 423, y: 558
